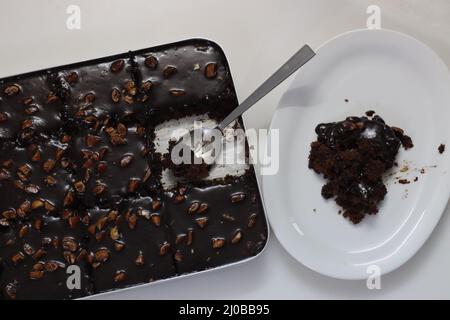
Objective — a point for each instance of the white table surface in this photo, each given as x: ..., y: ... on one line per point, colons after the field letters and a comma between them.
x: 257, y: 36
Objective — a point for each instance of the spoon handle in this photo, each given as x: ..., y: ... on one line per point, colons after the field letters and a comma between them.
x: 296, y: 61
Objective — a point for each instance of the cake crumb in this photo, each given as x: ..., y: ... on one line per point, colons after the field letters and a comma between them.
x: 404, y: 181
x: 370, y: 113
x: 441, y: 148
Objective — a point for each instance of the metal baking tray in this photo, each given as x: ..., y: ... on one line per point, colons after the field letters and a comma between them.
x: 159, y: 48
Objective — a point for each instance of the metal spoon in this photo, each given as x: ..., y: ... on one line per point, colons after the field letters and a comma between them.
x: 295, y: 62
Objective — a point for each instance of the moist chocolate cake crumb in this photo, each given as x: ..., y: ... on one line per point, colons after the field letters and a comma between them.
x: 404, y: 139
x: 353, y: 155
x: 441, y: 148
x: 370, y: 113
x: 404, y: 181
x: 416, y: 179
x: 194, y: 171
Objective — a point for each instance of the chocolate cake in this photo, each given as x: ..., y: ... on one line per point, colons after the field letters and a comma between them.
x: 352, y: 155
x: 80, y: 179
x: 194, y: 170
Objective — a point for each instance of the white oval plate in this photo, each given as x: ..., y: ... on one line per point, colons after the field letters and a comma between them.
x: 408, y: 85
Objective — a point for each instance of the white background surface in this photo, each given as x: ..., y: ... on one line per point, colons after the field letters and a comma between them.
x: 257, y: 36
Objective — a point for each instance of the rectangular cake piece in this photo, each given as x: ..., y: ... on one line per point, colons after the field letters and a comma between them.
x: 34, y: 256
x: 129, y: 245
x: 215, y: 225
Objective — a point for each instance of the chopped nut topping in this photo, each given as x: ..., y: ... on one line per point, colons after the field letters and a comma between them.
x: 236, y: 237
x: 72, y: 78
x: 39, y: 254
x: 11, y: 290
x: 218, y: 243
x: 11, y: 90
x: 180, y: 238
x: 132, y: 221
x: 48, y: 165
x: 146, y: 86
x: 24, y: 231
x: 116, y: 95
x: 177, y: 92
x: 9, y: 214
x: 31, y: 188
x: 130, y: 87
x: 211, y: 70
x: 114, y: 233
x: 117, y: 66
x: 120, y: 276
x: 201, y: 221
x: 126, y: 160
x: 91, y: 140
x: 140, y: 259
x: 70, y: 244
x: 25, y: 169
x: 69, y: 257
x: 36, y: 275
x: 203, y: 208
x: 178, y: 256
x: 69, y: 198
x: 80, y: 187
x: 179, y: 198
x: 49, y: 180
x: 28, y: 249
x: 164, y: 248
x: 228, y: 217
x: 119, y: 245
x: 18, y: 257
x: 51, y: 266
x: 99, y: 189
x: 237, y: 197
x: 36, y: 204
x: 101, y: 255
x: 193, y: 207
x: 190, y: 236
x: 251, y: 220
x: 151, y: 62
x: 133, y: 184
x: 156, y: 219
